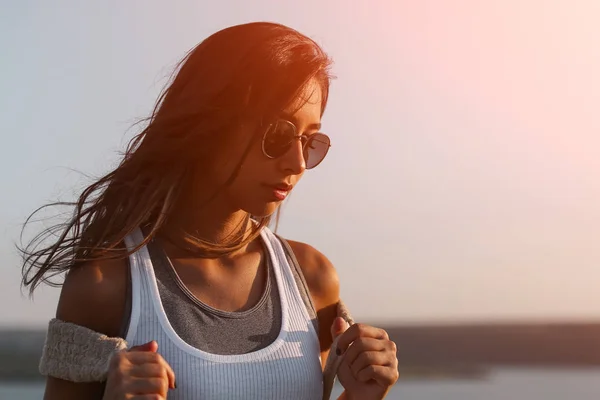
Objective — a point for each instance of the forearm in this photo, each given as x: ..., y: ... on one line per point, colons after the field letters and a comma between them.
x: 58, y: 389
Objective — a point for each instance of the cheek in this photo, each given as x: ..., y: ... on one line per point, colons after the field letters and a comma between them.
x: 252, y: 173
x: 256, y: 165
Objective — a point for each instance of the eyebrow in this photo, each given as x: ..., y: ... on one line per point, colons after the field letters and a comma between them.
x: 294, y: 120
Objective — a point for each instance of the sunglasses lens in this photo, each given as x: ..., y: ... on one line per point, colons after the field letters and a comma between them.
x: 278, y: 138
x: 316, y: 149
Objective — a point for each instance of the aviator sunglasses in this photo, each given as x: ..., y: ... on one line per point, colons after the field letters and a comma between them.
x: 280, y: 136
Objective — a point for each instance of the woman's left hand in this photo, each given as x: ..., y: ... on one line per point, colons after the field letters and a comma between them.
x: 369, y: 366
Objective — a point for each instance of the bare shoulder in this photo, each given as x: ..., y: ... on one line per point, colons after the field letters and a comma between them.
x: 93, y: 295
x: 324, y: 287
x: 320, y: 274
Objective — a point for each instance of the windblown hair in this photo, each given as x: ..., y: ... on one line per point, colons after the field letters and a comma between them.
x: 243, y: 74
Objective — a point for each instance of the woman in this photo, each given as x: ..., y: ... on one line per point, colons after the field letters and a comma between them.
x: 171, y: 250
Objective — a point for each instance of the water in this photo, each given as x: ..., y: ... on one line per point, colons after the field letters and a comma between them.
x: 509, y: 384
x: 513, y: 384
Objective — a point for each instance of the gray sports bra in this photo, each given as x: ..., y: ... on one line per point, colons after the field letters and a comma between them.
x: 216, y: 331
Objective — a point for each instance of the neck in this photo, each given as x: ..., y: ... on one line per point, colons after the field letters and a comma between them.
x: 214, y: 223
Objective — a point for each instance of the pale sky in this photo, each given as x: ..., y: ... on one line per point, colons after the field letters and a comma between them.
x: 464, y: 179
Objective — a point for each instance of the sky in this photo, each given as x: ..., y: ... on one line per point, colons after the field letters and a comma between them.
x: 463, y: 182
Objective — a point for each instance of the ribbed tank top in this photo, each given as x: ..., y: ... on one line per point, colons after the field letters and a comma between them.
x: 287, y: 368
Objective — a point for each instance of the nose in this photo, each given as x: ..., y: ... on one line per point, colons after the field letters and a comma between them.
x: 293, y: 162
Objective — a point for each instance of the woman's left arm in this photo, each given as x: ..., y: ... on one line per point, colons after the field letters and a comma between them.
x: 369, y: 366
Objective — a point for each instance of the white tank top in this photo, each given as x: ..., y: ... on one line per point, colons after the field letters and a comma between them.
x: 288, y: 368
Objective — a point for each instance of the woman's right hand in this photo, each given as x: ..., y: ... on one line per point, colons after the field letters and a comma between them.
x: 139, y: 373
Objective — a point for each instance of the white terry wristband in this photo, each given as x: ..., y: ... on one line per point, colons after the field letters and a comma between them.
x: 76, y: 353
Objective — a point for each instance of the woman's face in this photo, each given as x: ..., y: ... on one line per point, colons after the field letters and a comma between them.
x: 263, y: 182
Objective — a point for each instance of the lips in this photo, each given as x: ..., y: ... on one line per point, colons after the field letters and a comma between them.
x: 282, y: 186
x: 279, y: 191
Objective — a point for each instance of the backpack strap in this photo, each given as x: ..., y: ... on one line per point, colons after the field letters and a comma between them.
x: 333, y: 360
x: 293, y: 261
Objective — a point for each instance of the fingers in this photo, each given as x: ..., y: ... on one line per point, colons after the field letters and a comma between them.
x: 368, y: 355
x: 338, y: 327
x: 365, y: 352
x: 149, y: 357
x: 366, y: 344
x: 149, y: 371
x: 383, y: 375
x: 150, y: 346
x: 144, y: 364
x: 148, y: 397
x: 360, y: 330
x: 367, y: 358
x: 149, y: 385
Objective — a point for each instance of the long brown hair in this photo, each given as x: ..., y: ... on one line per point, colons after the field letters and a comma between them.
x: 248, y: 72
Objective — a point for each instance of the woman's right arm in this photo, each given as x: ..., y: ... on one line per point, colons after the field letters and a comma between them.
x: 93, y: 295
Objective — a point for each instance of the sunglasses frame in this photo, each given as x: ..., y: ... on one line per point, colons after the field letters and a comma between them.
x: 303, y: 138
